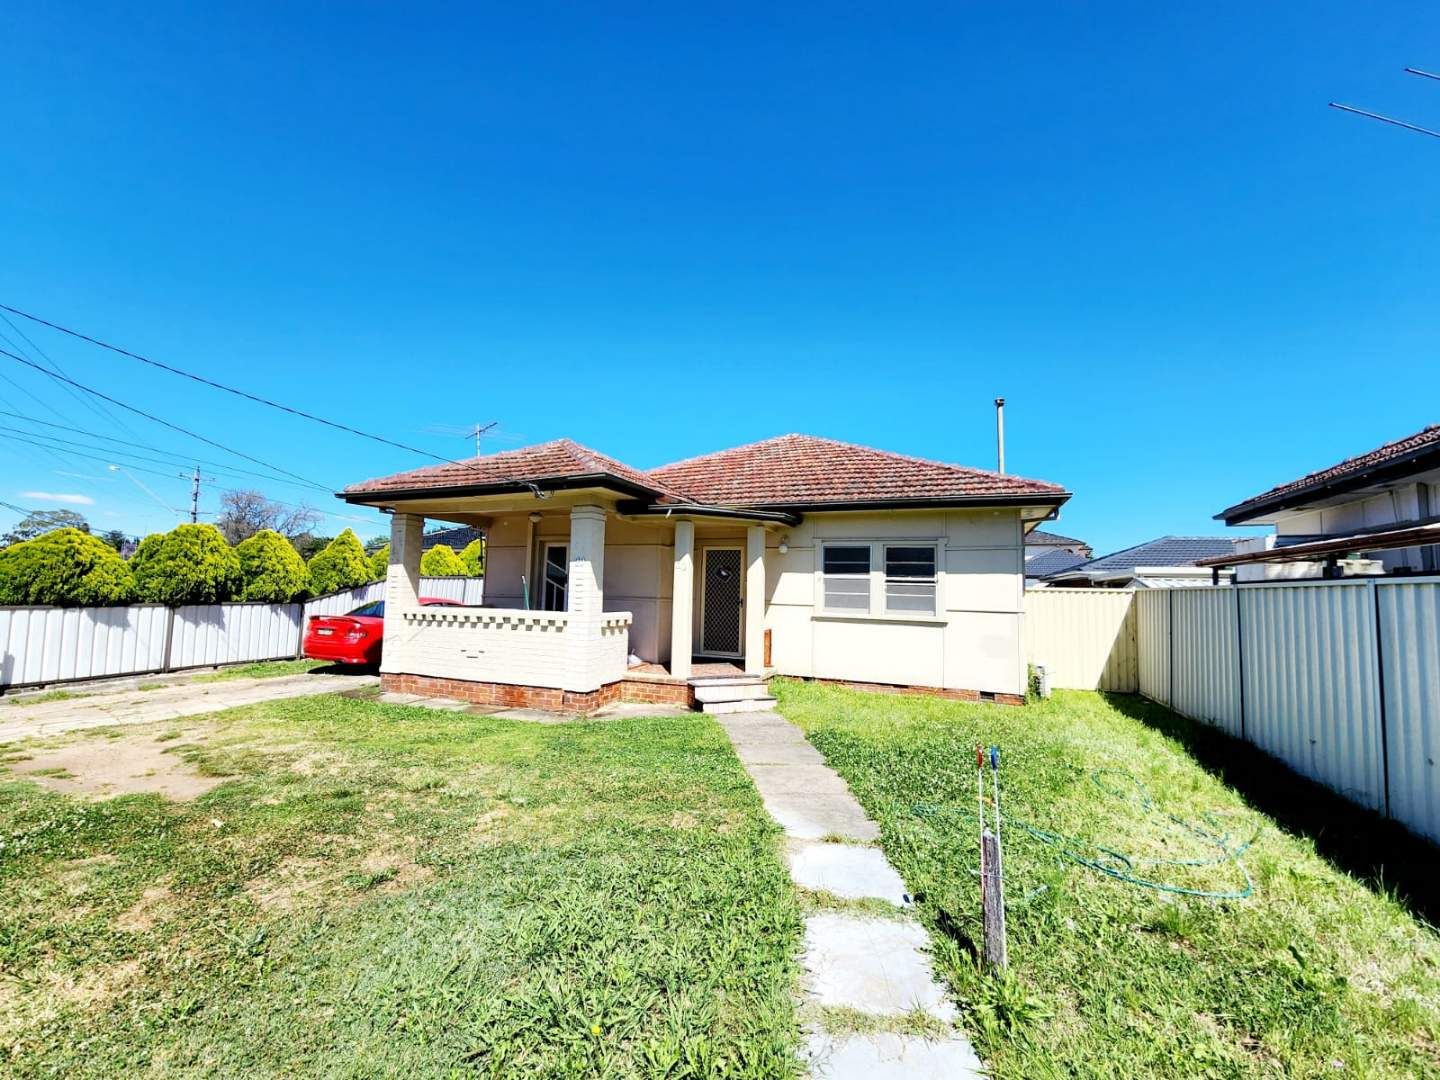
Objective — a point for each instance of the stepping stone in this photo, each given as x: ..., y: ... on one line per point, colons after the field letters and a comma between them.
x: 873, y: 965
x: 856, y: 873
x: 809, y: 816
x: 887, y: 1056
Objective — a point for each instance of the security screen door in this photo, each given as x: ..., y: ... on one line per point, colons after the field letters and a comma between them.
x: 721, y: 610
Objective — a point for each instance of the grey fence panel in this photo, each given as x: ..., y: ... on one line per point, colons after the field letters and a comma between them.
x: 208, y: 634
x: 466, y: 590
x: 1409, y: 616
x: 1312, y: 687
x: 1152, y: 632
x: 1205, y: 659
x: 47, y: 644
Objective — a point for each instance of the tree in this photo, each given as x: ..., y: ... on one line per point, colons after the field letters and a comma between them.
x: 380, y: 563
x: 245, y: 513
x: 38, y: 522
x: 115, y: 538
x: 191, y: 564
x: 441, y: 561
x: 271, y: 569
x: 308, y: 545
x: 473, y: 556
x: 375, y: 543
x: 341, y: 565
x: 66, y: 567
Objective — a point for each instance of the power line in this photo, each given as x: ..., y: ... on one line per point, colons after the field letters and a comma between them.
x: 110, y: 460
x: 222, y: 386
x: 1384, y: 119
x: 1422, y: 74
x: 233, y: 471
x: 94, y: 406
x: 165, y: 423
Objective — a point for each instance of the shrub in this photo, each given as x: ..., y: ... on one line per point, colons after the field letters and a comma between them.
x: 191, y: 564
x: 441, y: 561
x: 473, y: 556
x: 380, y: 563
x: 341, y: 564
x: 271, y: 569
x: 64, y: 567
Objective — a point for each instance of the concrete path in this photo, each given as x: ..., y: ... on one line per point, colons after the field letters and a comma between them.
x: 19, y: 720
x: 863, y: 962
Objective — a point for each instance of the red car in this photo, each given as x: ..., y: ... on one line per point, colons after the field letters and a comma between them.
x: 356, y: 637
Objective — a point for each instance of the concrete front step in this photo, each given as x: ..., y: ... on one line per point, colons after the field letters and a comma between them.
x: 760, y: 704
x: 730, y: 690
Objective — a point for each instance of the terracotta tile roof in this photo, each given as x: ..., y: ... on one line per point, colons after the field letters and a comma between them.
x: 558, y: 460
x: 800, y: 470
x: 1353, y: 468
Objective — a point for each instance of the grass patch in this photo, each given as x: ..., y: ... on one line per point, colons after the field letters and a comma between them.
x: 48, y: 695
x: 379, y: 890
x: 264, y: 669
x: 1319, y: 972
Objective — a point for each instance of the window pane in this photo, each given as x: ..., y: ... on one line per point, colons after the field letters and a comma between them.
x: 375, y: 607
x: 910, y: 596
x: 909, y: 562
x: 847, y: 593
x: 847, y: 559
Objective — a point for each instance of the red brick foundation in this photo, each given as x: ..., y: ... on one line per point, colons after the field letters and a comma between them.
x: 507, y: 695
x: 930, y: 691
x: 657, y: 690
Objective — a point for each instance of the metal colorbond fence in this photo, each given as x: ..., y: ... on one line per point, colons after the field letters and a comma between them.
x: 1085, y: 638
x: 1338, y: 679
x: 41, y: 645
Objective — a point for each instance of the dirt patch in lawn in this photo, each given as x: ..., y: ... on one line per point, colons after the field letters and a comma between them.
x: 103, y: 769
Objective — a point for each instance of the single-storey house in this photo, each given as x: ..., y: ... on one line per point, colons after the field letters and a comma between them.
x: 692, y: 582
x: 1382, y: 506
x: 1166, y: 562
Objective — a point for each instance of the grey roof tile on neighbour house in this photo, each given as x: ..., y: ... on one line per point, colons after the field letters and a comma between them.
x: 1041, y: 538
x: 1411, y: 453
x: 791, y: 471
x: 457, y: 538
x: 1051, y: 561
x: 1166, y: 551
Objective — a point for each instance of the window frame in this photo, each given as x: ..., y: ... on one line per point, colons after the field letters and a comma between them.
x: 867, y: 577
x: 933, y: 580
x: 878, y: 608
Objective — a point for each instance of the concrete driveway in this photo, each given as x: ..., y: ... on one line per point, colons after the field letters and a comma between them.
x: 100, y: 708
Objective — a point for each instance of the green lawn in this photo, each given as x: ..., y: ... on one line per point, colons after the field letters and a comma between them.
x: 1321, y: 972
x: 378, y: 890
x: 262, y: 669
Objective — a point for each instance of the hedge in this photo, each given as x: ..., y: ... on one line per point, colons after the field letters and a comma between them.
x: 271, y: 570
x: 441, y: 561
x: 65, y: 567
x: 191, y: 564
x: 341, y: 564
x: 473, y: 556
x: 380, y: 563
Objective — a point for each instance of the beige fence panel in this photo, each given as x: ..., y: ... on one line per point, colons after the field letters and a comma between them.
x: 1205, y: 656
x: 1085, y: 638
x: 1152, y: 640
x: 1410, y: 666
x: 1312, y: 684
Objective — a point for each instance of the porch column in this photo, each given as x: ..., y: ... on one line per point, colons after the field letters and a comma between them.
x: 754, y: 600
x: 402, y: 586
x: 682, y: 599
x: 586, y: 669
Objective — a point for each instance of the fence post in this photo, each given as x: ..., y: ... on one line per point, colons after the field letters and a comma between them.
x: 1170, y: 664
x: 169, y: 635
x: 1380, y: 686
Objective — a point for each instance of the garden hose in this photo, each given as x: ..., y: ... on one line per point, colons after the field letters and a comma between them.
x: 1122, y: 867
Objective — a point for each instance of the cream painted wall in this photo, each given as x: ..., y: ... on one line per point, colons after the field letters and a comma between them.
x: 1406, y: 502
x: 972, y: 643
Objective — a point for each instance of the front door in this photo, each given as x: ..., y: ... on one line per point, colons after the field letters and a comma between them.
x: 722, y: 603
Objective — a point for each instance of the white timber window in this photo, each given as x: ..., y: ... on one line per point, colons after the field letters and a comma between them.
x: 910, y: 579
x: 846, y: 578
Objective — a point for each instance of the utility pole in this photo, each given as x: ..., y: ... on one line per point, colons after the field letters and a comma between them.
x: 195, y: 497
x: 481, y: 429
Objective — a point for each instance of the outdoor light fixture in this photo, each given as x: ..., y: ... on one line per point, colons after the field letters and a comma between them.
x: 784, y: 548
x: 534, y: 519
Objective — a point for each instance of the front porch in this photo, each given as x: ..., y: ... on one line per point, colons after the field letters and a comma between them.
x: 587, y: 605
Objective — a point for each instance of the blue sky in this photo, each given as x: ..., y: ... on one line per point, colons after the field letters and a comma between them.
x: 662, y: 232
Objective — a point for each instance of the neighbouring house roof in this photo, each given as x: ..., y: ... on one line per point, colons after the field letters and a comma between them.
x: 1409, y: 454
x: 457, y: 538
x: 807, y: 471
x: 1166, y: 551
x: 1049, y: 561
x: 562, y: 460
x: 1041, y: 538
x: 790, y: 472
